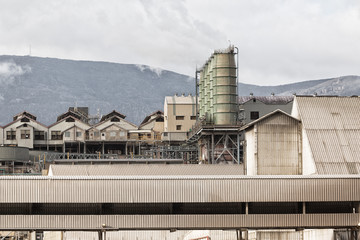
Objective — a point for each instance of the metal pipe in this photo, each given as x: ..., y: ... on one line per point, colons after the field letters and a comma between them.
x: 196, y: 94
x: 237, y: 81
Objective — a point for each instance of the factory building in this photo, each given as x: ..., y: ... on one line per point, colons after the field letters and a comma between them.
x: 179, y: 117
x: 254, y: 107
x: 68, y: 133
x: 152, y: 127
x: 111, y: 134
x: 273, y: 145
x: 24, y: 131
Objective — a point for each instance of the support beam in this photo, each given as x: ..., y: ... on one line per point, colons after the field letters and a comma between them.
x: 212, y: 149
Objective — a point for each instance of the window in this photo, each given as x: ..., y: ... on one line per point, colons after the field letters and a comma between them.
x: 112, y: 134
x: 96, y: 134
x: 165, y: 134
x: 178, y: 127
x: 122, y: 134
x: 180, y: 117
x: 56, y: 135
x: 25, y: 119
x: 149, y: 135
x: 39, y: 135
x: 78, y: 134
x: 192, y: 117
x: 25, y: 134
x: 254, y: 115
x: 161, y: 119
x: 67, y: 134
x: 70, y: 120
x: 115, y: 119
x: 10, y: 135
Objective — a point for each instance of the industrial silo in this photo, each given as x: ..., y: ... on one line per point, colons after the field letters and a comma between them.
x: 206, y: 92
x: 225, y: 88
x: 211, y: 89
x: 201, y: 93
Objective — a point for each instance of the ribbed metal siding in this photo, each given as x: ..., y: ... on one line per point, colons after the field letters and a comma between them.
x: 146, y: 169
x: 333, y: 128
x: 73, y: 222
x: 278, y: 146
x: 17, y: 154
x: 177, y: 189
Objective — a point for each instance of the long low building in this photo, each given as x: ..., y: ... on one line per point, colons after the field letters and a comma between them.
x: 178, y: 202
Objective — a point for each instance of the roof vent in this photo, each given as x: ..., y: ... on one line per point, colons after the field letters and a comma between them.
x: 251, y: 94
x: 315, y: 94
x: 272, y: 94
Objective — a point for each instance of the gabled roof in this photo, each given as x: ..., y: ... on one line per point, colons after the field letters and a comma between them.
x: 111, y: 114
x: 26, y: 124
x: 67, y: 114
x: 278, y: 111
x: 71, y: 128
x: 114, y: 124
x: 269, y: 100
x: 19, y: 119
x: 157, y: 113
x: 64, y: 119
x: 332, y: 126
x: 24, y: 113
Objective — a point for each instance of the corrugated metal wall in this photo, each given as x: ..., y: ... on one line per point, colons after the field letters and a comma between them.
x: 116, y: 222
x: 145, y: 189
x: 278, y: 146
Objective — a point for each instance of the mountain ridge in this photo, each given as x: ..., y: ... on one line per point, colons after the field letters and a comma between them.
x: 47, y: 87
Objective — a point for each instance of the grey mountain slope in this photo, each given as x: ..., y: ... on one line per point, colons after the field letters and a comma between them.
x: 46, y: 87
x: 53, y: 85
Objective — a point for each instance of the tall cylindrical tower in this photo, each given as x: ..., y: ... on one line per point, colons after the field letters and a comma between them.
x: 225, y: 89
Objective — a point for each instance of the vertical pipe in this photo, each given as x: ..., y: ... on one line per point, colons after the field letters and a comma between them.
x: 303, y: 208
x: 196, y: 94
x: 237, y: 83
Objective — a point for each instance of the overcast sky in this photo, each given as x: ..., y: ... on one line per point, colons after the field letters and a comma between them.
x: 280, y: 41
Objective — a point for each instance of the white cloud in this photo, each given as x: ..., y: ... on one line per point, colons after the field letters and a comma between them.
x: 280, y: 41
x: 142, y: 68
x: 10, y: 70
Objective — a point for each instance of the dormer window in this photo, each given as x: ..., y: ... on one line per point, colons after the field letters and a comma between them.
x: 115, y: 119
x: 70, y: 119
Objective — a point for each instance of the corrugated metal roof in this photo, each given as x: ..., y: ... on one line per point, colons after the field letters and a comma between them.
x: 145, y: 170
x: 332, y: 125
x: 278, y: 111
x: 270, y: 100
